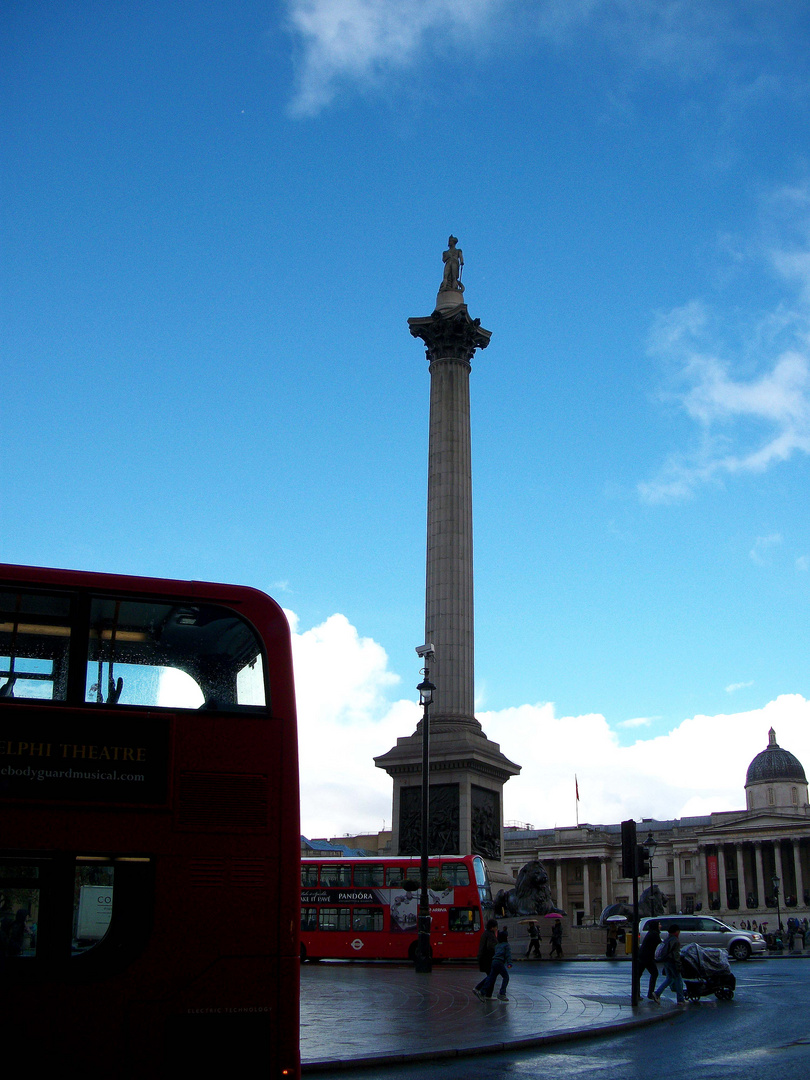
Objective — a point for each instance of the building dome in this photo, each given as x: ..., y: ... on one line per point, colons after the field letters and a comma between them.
x: 775, y: 765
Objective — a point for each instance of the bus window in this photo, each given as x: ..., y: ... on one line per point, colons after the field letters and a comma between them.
x: 455, y: 873
x: 336, y: 875
x: 309, y: 875
x: 19, y: 908
x: 309, y: 918
x: 367, y: 918
x: 92, y: 903
x: 173, y: 656
x: 334, y: 918
x: 464, y: 919
x: 369, y: 875
x: 394, y: 875
x: 34, y: 644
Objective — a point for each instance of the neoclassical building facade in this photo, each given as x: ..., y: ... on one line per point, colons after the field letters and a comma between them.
x: 738, y: 864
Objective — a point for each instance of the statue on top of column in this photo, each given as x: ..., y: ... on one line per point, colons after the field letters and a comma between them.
x: 453, y: 260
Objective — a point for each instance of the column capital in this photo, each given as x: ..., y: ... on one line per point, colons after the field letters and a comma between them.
x: 450, y: 334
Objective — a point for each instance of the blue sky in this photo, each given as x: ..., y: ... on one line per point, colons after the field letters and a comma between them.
x: 216, y: 220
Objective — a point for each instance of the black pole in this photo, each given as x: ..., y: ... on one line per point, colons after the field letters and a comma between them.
x: 423, y: 951
x: 635, y: 996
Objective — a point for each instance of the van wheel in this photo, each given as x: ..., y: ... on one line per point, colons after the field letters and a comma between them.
x: 740, y: 950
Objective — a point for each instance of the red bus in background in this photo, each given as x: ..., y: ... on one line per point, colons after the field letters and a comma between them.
x: 149, y: 857
x: 366, y: 908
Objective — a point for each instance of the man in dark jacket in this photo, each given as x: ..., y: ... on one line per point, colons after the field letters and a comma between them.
x: 486, y: 950
x: 646, y: 955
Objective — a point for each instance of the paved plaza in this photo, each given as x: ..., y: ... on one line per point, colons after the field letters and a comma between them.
x: 365, y: 1014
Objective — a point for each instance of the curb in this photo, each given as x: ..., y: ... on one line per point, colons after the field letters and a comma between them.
x: 416, y: 1056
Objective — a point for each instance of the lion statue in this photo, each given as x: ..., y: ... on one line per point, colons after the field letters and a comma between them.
x: 530, y: 896
x: 651, y: 902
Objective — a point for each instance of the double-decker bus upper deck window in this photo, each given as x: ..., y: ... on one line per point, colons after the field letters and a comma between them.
x: 335, y: 875
x: 34, y: 645
x: 309, y: 874
x: 455, y: 873
x: 166, y: 655
x: 369, y: 875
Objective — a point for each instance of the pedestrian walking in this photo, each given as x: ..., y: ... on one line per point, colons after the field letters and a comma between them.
x: 646, y: 955
x: 486, y: 952
x: 556, y: 940
x: 534, y: 941
x: 501, y: 962
x: 670, y: 954
x: 612, y: 941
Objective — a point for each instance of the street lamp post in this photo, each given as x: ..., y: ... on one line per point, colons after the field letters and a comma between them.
x: 423, y: 952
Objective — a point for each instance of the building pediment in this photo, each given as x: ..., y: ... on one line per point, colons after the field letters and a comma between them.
x: 752, y: 824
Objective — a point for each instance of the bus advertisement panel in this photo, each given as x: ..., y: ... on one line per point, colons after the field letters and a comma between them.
x: 367, y: 908
x: 149, y: 864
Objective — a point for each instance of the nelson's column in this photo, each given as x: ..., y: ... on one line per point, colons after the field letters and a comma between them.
x: 467, y: 770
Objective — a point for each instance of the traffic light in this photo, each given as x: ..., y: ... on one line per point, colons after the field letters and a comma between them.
x: 628, y: 849
x: 642, y: 861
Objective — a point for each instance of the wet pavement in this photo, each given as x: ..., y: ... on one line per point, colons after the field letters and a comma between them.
x: 367, y: 1014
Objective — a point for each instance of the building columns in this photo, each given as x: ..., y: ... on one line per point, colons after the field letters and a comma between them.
x: 738, y: 848
x: 676, y: 869
x: 704, y: 878
x: 603, y: 867
x: 777, y: 861
x: 797, y: 870
x: 721, y: 875
x: 760, y: 874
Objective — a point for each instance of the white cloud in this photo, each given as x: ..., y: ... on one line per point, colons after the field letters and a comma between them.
x: 760, y: 553
x: 636, y: 721
x: 360, y: 41
x: 733, y: 687
x: 704, y: 758
x: 749, y: 402
x: 345, y: 721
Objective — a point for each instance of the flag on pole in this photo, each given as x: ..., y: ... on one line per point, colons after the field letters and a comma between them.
x: 576, y: 785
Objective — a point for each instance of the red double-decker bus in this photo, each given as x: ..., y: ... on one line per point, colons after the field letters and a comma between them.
x: 149, y: 857
x: 366, y: 908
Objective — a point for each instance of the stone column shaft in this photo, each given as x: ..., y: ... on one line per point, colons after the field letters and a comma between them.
x: 704, y: 878
x: 449, y: 617
x: 676, y: 870
x: 760, y: 874
x: 721, y: 874
x: 559, y: 882
x: 738, y: 848
x: 797, y: 869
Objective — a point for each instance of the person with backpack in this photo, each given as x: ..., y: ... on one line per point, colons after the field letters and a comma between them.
x: 647, y: 954
x: 669, y: 952
x: 486, y: 952
x: 500, y: 962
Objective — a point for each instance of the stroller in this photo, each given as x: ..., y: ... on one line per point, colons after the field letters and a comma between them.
x: 706, y: 972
